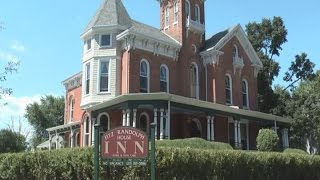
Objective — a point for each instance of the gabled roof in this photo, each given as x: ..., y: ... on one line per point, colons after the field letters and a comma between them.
x: 217, y: 42
x: 111, y: 13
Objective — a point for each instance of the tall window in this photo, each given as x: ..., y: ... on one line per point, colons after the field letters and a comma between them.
x: 87, y: 78
x: 86, y: 130
x: 197, y: 13
x: 88, y: 42
x: 194, y: 81
x: 228, y: 84
x: 245, y: 95
x: 175, y: 11
x: 71, y: 101
x: 167, y: 13
x: 235, y: 51
x: 104, y: 121
x: 104, y: 76
x: 164, y: 78
x: 105, y: 40
x: 144, y: 122
x: 187, y: 9
x: 144, y: 76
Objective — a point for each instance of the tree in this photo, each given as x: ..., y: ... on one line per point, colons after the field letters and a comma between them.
x: 282, y: 99
x: 267, y: 39
x: 267, y: 140
x: 11, y: 141
x: 300, y: 69
x: 305, y: 112
x: 48, y: 113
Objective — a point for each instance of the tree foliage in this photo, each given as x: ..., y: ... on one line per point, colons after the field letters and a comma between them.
x: 11, y: 141
x: 267, y: 38
x: 48, y: 113
x: 300, y: 69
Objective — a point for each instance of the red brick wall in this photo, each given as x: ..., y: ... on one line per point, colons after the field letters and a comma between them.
x: 221, y: 129
x: 78, y: 112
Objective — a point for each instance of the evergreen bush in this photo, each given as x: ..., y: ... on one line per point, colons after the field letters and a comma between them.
x: 267, y: 140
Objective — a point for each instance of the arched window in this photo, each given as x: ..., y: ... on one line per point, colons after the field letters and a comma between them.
x: 194, y: 81
x: 164, y: 78
x: 71, y: 108
x: 167, y: 18
x: 86, y: 130
x: 228, y: 84
x: 245, y: 94
x: 235, y: 51
x: 144, y: 76
x: 104, y: 121
x: 175, y: 11
x: 197, y: 13
x: 187, y: 9
x: 144, y: 122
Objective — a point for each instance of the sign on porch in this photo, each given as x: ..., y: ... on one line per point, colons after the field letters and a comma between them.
x: 125, y: 143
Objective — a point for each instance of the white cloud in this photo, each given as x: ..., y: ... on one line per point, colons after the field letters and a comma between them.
x: 8, y: 57
x: 14, y: 110
x: 17, y: 46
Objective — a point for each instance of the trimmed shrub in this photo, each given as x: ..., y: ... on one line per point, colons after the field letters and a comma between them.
x: 296, y: 151
x: 193, y: 143
x: 267, y: 140
x: 172, y: 163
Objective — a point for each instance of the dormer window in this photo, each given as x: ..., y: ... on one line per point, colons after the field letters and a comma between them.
x: 187, y: 9
x: 167, y: 14
x: 105, y: 40
x: 197, y: 13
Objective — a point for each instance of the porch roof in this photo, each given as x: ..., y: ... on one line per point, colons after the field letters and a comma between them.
x: 206, y: 106
x: 65, y: 127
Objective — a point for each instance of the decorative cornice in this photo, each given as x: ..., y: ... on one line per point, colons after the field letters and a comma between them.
x: 210, y: 57
x: 73, y: 82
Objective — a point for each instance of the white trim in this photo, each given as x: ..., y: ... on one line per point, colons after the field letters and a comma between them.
x: 197, y: 13
x: 106, y: 114
x: 148, y: 74
x: 87, y: 77
x: 167, y: 17
x: 99, y: 75
x: 247, y: 93
x: 175, y: 12
x: 167, y: 76
x: 106, y: 46
x: 193, y: 64
x: 188, y: 15
x: 231, y: 86
x: 71, y: 108
x: 86, y: 123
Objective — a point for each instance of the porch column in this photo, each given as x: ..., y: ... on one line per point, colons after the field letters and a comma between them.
x: 93, y: 122
x: 50, y: 141
x: 235, y: 133
x: 128, y: 117
x: 166, y: 124
x: 57, y: 140
x: 161, y: 124
x: 208, y: 127
x: 123, y: 118
x: 71, y: 134
x: 155, y: 121
x: 285, y: 139
x: 134, y: 124
x: 239, y: 134
x: 212, y: 128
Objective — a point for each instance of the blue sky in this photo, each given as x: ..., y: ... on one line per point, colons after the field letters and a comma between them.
x: 45, y: 37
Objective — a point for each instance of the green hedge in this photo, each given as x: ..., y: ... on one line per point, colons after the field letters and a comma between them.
x: 182, y: 163
x: 296, y: 151
x: 193, y: 143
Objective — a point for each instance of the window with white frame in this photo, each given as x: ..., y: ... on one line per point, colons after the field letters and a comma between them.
x: 194, y: 81
x: 88, y: 43
x: 86, y: 130
x: 228, y: 85
x: 87, y: 78
x: 164, y: 78
x: 167, y: 18
x: 71, y: 108
x: 144, y: 76
x: 197, y: 13
x: 187, y: 9
x: 104, y: 76
x: 245, y: 94
x: 235, y: 51
x: 175, y: 12
x: 105, y: 40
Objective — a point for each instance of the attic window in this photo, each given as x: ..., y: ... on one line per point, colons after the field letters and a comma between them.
x: 105, y: 40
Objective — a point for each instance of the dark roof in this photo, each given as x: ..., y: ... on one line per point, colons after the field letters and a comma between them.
x: 211, y: 42
x: 111, y: 12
